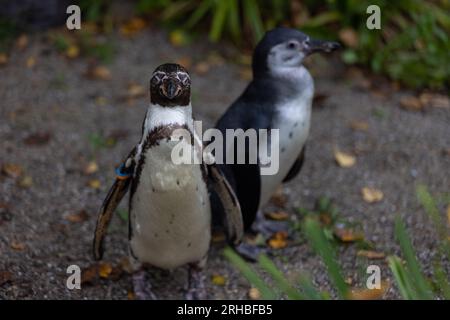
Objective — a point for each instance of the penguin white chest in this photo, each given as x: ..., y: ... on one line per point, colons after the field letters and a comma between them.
x: 293, y: 121
x: 169, y: 210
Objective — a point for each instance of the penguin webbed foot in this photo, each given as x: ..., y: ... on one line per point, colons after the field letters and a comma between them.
x: 142, y: 286
x: 196, y: 285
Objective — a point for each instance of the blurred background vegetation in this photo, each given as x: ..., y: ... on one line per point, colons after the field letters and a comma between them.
x: 412, y: 46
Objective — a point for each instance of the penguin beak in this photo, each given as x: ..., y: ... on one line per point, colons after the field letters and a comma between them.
x: 321, y: 46
x: 170, y: 88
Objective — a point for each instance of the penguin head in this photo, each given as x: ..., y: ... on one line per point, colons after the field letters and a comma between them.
x: 284, y: 49
x: 170, y: 85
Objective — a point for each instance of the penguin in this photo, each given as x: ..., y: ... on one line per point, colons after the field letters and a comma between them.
x: 278, y: 97
x: 169, y: 204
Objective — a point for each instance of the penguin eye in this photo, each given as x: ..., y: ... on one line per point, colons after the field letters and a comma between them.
x: 292, y: 45
x: 155, y: 80
x: 184, y: 79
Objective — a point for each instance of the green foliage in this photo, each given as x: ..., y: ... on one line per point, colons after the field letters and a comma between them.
x: 412, y: 45
x: 409, y: 277
x: 8, y: 31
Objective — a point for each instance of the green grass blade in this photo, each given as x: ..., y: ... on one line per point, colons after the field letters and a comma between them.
x: 233, y: 19
x: 218, y: 20
x: 402, y: 278
x: 249, y: 274
x: 321, y: 245
x: 252, y: 13
x: 442, y: 280
x: 420, y: 283
x: 279, y: 278
x: 199, y: 13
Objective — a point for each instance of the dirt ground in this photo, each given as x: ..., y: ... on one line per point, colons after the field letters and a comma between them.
x: 399, y: 149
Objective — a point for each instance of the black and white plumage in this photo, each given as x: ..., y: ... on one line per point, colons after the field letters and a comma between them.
x: 279, y: 97
x: 169, y: 207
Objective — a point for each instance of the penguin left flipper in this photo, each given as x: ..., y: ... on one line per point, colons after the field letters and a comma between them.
x: 112, y: 200
x: 234, y: 224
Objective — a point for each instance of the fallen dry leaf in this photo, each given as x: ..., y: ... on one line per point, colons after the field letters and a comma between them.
x: 72, y: 51
x: 372, y: 195
x: 101, y: 101
x: 345, y: 234
x: 104, y: 270
x: 369, y: 294
x: 132, y: 27
x: 3, y: 59
x: 5, y: 277
x: 371, y: 254
x: 434, y: 100
x: 131, y: 295
x: 31, y: 62
x: 279, y: 198
x: 246, y: 74
x: 278, y: 240
x: 411, y: 103
x: 18, y: 246
x: 79, y: 216
x: 37, y: 138
x: 201, y: 68
x: 185, y: 61
x: 343, y: 159
x: 12, y: 170
x: 136, y: 91
x: 277, y: 215
x: 25, y: 182
x: 218, y: 280
x: 254, y: 294
x: 178, y: 38
x: 89, y: 275
x: 99, y: 73
x: 94, y: 184
x: 358, y: 125
x: 349, y: 37
x: 90, y: 168
x: 325, y: 218
x: 22, y: 42
x: 218, y: 236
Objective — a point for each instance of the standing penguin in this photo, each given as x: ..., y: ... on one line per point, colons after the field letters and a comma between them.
x: 279, y: 97
x: 169, y: 206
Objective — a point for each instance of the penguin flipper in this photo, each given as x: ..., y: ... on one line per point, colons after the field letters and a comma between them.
x: 112, y: 200
x: 234, y: 224
x: 296, y: 167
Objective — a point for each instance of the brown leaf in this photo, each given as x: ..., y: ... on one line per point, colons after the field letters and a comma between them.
x: 99, y: 73
x: 31, y: 62
x: 37, y: 138
x: 89, y: 275
x: 372, y: 195
x: 371, y: 254
x: 278, y: 240
x: 18, y: 246
x: 254, y: 294
x: 349, y: 37
x: 411, y: 103
x: 201, y: 68
x: 90, y: 168
x: 279, y: 198
x: 345, y: 234
x: 25, y: 182
x: 218, y: 280
x: 132, y: 27
x: 136, y: 91
x: 104, y: 270
x: 246, y: 74
x: 101, y: 101
x: 5, y: 277
x: 3, y: 59
x: 343, y: 159
x: 357, y: 125
x: 434, y: 100
x: 79, y: 216
x: 277, y: 215
x: 12, y: 170
x: 22, y: 42
x: 131, y: 295
x: 218, y: 236
x: 72, y: 51
x: 369, y: 294
x: 185, y: 61
x: 94, y: 184
x: 178, y: 38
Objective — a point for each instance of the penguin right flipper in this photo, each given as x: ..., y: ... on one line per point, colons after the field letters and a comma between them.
x: 232, y: 211
x: 112, y: 200
x: 296, y: 167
